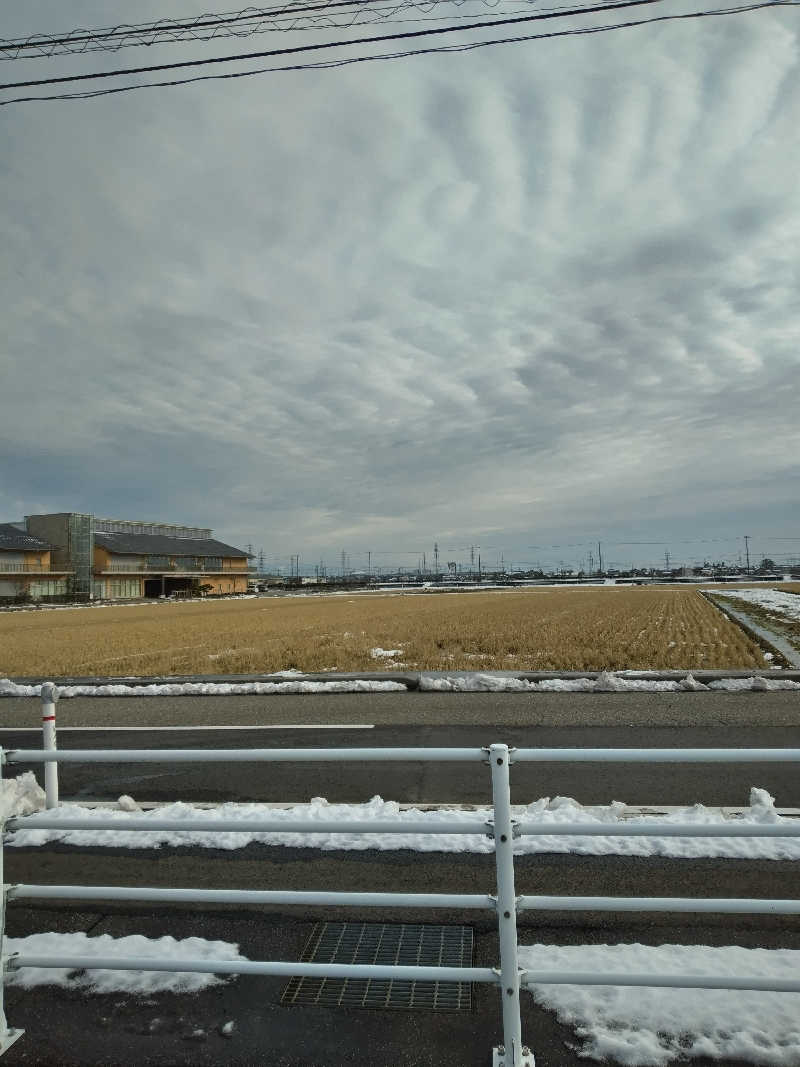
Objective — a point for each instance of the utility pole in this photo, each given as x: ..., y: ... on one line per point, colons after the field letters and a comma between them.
x: 666, y: 560
x: 343, y: 562
x: 747, y: 550
x: 436, y: 559
x: 600, y: 556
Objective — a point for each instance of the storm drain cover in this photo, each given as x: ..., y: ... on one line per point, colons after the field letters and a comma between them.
x: 384, y: 943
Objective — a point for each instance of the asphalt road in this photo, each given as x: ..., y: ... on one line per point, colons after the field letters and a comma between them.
x: 68, y: 1028
x: 431, y: 709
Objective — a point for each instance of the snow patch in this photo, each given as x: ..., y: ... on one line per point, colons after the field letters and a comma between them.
x: 606, y: 682
x: 545, y: 811
x: 177, y: 689
x: 785, y: 605
x: 100, y: 981
x: 20, y: 796
x: 640, y: 1027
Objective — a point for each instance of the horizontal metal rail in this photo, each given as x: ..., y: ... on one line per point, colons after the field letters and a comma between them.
x: 655, y: 755
x: 247, y: 755
x: 658, y: 829
x: 365, y: 971
x: 666, y: 981
x: 721, y: 905
x: 251, y: 896
x: 387, y: 755
x: 245, y: 826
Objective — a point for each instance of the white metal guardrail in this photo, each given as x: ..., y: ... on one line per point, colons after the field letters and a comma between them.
x: 507, y: 976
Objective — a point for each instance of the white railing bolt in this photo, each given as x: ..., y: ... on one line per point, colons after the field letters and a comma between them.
x: 49, y: 694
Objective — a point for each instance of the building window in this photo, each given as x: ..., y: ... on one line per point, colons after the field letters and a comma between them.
x: 124, y: 588
x: 52, y: 587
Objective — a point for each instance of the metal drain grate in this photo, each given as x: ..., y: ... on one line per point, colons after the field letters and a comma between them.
x: 403, y: 944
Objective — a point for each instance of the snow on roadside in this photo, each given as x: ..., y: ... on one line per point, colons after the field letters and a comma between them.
x: 546, y: 811
x: 651, y: 1027
x: 786, y: 605
x: 177, y: 689
x: 135, y: 982
x: 606, y: 682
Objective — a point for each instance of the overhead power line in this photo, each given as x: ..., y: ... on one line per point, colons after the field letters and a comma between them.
x: 310, y: 14
x: 330, y: 64
x: 405, y: 35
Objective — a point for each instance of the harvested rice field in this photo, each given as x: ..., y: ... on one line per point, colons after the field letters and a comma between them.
x: 609, y: 628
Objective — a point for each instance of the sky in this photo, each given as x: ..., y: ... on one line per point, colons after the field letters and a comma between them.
x: 524, y: 298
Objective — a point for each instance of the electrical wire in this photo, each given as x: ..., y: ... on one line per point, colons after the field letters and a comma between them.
x: 329, y: 14
x: 405, y: 35
x: 435, y: 50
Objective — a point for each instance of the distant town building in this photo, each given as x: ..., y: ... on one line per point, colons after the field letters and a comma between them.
x: 81, y: 555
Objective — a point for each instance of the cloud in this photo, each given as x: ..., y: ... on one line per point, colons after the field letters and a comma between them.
x: 525, y: 289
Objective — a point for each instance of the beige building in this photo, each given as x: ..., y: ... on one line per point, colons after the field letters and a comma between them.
x: 26, y: 571
x: 87, y: 557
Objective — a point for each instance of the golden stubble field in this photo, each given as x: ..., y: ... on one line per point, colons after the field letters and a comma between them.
x: 532, y: 629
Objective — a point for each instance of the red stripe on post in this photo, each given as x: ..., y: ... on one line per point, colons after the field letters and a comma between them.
x: 48, y: 718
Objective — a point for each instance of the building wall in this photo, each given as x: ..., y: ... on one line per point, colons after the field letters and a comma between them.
x: 225, y: 583
x: 102, y: 558
x: 72, y: 536
x: 39, y: 559
x: 16, y: 582
x: 53, y: 529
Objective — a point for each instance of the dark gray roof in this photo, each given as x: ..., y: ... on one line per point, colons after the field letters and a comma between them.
x: 12, y: 537
x: 160, y: 545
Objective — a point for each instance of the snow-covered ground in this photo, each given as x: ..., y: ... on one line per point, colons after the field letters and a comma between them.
x: 650, y: 1027
x: 489, y: 682
x: 177, y: 689
x: 783, y: 605
x: 546, y: 811
x: 133, y: 982
x: 606, y: 682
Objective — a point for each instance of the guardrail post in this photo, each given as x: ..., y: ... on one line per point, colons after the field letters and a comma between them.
x: 49, y: 693
x: 7, y: 1036
x: 512, y: 1053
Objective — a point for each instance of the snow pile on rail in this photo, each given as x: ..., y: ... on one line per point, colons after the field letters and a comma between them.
x: 784, y: 605
x: 135, y: 982
x: 652, y: 1026
x: 180, y: 689
x: 606, y: 682
x: 546, y: 811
